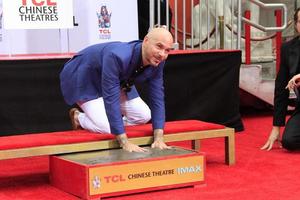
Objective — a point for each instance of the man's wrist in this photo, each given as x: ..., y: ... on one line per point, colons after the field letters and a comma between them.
x: 158, y: 135
x: 122, y: 139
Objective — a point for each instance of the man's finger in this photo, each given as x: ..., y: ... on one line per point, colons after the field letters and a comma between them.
x: 163, y: 147
x: 270, y: 145
x: 265, y: 146
x: 140, y: 149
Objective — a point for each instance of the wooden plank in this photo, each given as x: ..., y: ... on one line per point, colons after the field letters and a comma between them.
x: 227, y: 133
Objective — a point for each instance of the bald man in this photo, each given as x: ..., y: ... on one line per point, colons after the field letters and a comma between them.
x: 100, y: 79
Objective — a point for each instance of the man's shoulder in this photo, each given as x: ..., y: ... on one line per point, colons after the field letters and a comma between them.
x: 113, y: 46
x: 123, y: 50
x: 121, y: 46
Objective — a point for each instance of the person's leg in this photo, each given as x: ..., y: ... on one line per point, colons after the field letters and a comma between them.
x: 94, y: 117
x: 291, y: 134
x: 135, y: 111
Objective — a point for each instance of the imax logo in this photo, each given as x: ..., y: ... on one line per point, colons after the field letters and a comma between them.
x: 191, y: 169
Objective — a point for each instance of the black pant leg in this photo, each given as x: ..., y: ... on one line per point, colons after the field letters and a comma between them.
x: 291, y: 134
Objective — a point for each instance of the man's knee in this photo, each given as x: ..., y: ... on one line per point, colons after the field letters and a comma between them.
x: 143, y: 118
x: 102, y: 127
x: 138, y: 118
x: 146, y: 116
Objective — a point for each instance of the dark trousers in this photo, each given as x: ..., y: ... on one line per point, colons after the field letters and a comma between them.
x: 291, y: 134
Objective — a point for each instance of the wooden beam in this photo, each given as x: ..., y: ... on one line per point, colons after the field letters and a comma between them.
x: 227, y: 133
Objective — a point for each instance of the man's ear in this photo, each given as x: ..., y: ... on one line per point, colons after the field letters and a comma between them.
x: 146, y: 38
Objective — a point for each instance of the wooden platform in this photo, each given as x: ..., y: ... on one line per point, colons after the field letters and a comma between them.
x: 79, y: 141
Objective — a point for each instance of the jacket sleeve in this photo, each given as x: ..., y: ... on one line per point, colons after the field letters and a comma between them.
x: 156, y: 98
x: 111, y: 92
x: 281, y: 95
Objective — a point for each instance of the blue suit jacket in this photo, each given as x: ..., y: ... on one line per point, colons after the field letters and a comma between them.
x: 98, y: 70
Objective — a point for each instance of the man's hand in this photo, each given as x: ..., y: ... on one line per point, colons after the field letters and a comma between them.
x: 274, y: 135
x: 159, y: 140
x: 128, y: 146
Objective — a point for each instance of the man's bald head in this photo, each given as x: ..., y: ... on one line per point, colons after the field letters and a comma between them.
x: 156, y: 46
x: 160, y: 33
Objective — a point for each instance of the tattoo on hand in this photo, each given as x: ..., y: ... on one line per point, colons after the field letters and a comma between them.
x: 158, y: 135
x: 122, y: 139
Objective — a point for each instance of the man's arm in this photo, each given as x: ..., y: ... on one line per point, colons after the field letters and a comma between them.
x: 158, y: 141
x: 156, y: 99
x: 111, y: 92
x: 157, y: 106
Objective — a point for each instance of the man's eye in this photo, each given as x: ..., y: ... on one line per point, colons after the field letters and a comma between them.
x: 159, y: 46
